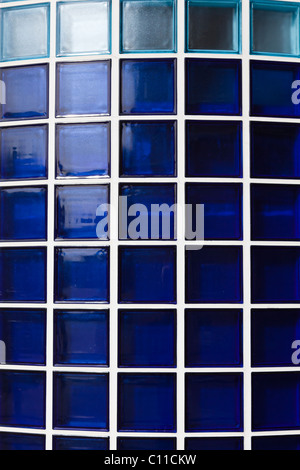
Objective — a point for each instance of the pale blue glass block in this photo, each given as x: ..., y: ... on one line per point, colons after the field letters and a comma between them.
x: 25, y: 32
x: 83, y: 28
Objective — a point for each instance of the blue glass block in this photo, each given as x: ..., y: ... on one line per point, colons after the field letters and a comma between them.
x: 213, y: 338
x: 132, y: 443
x: 14, y: 441
x: 214, y: 443
x: 83, y: 150
x: 271, y: 89
x: 83, y: 28
x: 76, y: 212
x: 275, y: 28
x: 80, y: 443
x: 148, y: 26
x: 22, y: 399
x: 223, y: 209
x: 82, y: 275
x: 214, y: 402
x: 213, y: 26
x: 26, y: 90
x: 147, y: 338
x: 274, y: 212
x: 81, y: 338
x: 148, y: 148
x: 25, y: 32
x: 155, y: 220
x: 81, y: 401
x: 275, y: 274
x: 273, y: 332
x: 147, y: 403
x: 147, y: 274
x: 83, y: 89
x: 275, y: 401
x: 23, y: 213
x: 148, y: 86
x: 23, y: 152
x: 213, y: 87
x: 277, y: 443
x: 214, y: 274
x: 24, y: 333
x: 214, y: 149
x: 23, y: 275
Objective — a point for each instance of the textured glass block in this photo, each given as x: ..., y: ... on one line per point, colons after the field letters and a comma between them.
x: 147, y: 274
x: 80, y: 443
x: 133, y: 443
x: 25, y: 32
x: 83, y: 28
x: 148, y: 86
x: 26, y: 90
x: 81, y: 338
x: 277, y: 443
x: 23, y: 213
x: 83, y: 89
x: 213, y: 87
x: 214, y: 443
x: 148, y: 26
x: 81, y: 401
x: 148, y: 148
x: 147, y: 338
x: 275, y: 401
x: 23, y: 274
x: 28, y: 442
x: 83, y: 150
x: 214, y: 274
x: 82, y: 275
x: 214, y: 149
x: 24, y: 333
x: 213, y: 338
x: 213, y: 26
x: 77, y: 212
x: 147, y: 403
x: 22, y: 399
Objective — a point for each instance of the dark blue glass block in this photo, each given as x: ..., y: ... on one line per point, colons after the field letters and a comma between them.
x: 147, y: 403
x: 83, y: 88
x: 81, y: 401
x: 271, y: 89
x: 213, y: 338
x: 147, y: 338
x: 214, y: 87
x: 22, y: 399
x: 80, y: 443
x: 23, y: 152
x: 83, y: 150
x: 77, y: 209
x: 148, y: 148
x: 147, y: 274
x: 148, y: 86
x: 131, y: 443
x: 214, y: 443
x: 214, y: 149
x: 155, y: 220
x: 273, y: 332
x: 214, y: 274
x: 81, y: 337
x: 275, y: 401
x: 23, y: 213
x: 26, y: 90
x: 277, y: 443
x: 24, y: 334
x: 275, y: 274
x: 23, y: 274
x: 14, y: 441
x: 214, y: 402
x: 82, y: 275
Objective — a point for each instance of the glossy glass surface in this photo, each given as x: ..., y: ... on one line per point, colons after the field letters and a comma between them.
x: 131, y: 443
x: 276, y: 443
x: 214, y: 443
x: 80, y: 443
x: 14, y: 441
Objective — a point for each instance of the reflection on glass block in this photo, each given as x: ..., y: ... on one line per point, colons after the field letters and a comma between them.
x: 80, y: 443
x: 25, y: 32
x: 83, y: 27
x: 13, y: 441
x: 214, y: 443
x: 146, y: 443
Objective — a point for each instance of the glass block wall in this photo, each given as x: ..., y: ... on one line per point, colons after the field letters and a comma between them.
x: 113, y: 342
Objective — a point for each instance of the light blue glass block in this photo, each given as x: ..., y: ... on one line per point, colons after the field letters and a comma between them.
x: 148, y: 26
x: 83, y: 28
x: 25, y: 32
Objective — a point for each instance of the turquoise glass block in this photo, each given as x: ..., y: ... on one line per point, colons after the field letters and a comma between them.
x: 25, y: 32
x: 83, y: 28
